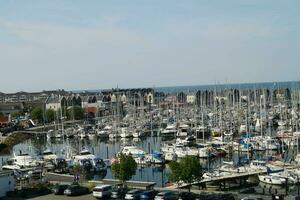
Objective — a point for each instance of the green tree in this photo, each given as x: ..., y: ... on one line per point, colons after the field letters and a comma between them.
x: 75, y: 112
x: 1, y: 114
x: 50, y: 115
x: 17, y: 114
x: 188, y: 170
x: 124, y: 168
x: 37, y: 114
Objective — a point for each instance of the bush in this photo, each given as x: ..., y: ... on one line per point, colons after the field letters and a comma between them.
x: 89, y: 185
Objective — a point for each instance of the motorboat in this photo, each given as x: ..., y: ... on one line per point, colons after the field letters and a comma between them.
x: 183, y: 130
x: 48, y: 155
x: 155, y: 158
x: 125, y: 132
x: 273, y: 179
x: 170, y: 156
x: 138, y: 133
x: 89, y: 161
x: 98, y: 164
x: 189, y: 140
x: 25, y: 161
x: 105, y: 132
x: 170, y: 130
x: 133, y: 151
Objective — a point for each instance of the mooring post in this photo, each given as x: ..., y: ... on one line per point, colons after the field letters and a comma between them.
x: 298, y: 184
x: 106, y: 151
x: 286, y: 186
x: 149, y: 147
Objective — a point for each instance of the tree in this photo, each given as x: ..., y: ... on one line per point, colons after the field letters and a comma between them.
x: 37, y: 114
x: 124, y: 168
x: 17, y: 114
x: 50, y: 115
x: 75, y: 112
x: 188, y: 170
x: 1, y: 114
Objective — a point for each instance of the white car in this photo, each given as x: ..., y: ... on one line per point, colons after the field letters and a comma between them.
x: 102, y: 191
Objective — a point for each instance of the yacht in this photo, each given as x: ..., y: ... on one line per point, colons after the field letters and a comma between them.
x: 183, y: 130
x: 155, y: 158
x: 170, y: 130
x: 186, y: 140
x: 105, y: 132
x: 133, y: 150
x: 125, y: 132
x: 273, y: 179
x: 48, y: 155
x: 138, y: 133
x: 89, y: 161
x: 170, y: 156
x: 55, y: 134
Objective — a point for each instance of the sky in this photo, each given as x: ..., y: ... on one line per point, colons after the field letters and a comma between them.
x: 93, y: 44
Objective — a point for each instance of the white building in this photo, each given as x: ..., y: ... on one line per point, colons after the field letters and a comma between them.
x: 190, y: 98
x: 7, y: 182
x: 53, y: 103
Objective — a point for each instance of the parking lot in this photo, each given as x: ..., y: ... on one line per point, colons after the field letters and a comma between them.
x: 56, y: 197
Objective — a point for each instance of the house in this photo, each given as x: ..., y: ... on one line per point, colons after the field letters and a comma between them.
x: 91, y: 104
x: 11, y: 107
x: 7, y: 182
x: 4, y: 120
x: 190, y: 99
x: 53, y: 103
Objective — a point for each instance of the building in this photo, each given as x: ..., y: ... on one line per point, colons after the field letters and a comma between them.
x: 190, y: 98
x: 92, y: 104
x: 53, y: 103
x: 11, y: 107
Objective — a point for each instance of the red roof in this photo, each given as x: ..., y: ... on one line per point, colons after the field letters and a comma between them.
x: 3, y: 120
x: 90, y: 110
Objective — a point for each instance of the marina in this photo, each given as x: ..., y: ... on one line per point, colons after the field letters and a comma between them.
x: 150, y: 100
x: 241, y: 138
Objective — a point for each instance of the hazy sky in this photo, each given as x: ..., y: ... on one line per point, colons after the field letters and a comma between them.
x: 90, y: 44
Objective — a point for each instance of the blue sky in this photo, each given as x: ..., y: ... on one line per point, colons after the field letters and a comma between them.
x: 90, y: 44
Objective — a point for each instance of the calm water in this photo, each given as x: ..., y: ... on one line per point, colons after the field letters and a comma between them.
x: 107, y: 149
x: 102, y: 148
x: 195, y: 88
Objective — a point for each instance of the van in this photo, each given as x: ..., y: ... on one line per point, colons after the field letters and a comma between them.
x: 102, y: 191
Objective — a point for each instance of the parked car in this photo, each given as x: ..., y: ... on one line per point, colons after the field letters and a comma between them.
x: 148, y: 195
x: 166, y: 196
x: 102, y: 191
x: 59, y: 189
x: 187, y: 196
x: 133, y: 194
x: 251, y: 198
x: 118, y: 192
x: 76, y: 190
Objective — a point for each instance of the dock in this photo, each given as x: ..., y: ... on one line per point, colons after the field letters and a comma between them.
x: 233, y: 176
x: 66, y: 178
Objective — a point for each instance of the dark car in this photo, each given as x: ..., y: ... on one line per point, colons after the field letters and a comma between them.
x: 76, y: 190
x: 59, y: 189
x: 118, y: 193
x: 187, y: 196
x: 166, y: 196
x: 133, y: 194
x: 148, y: 195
